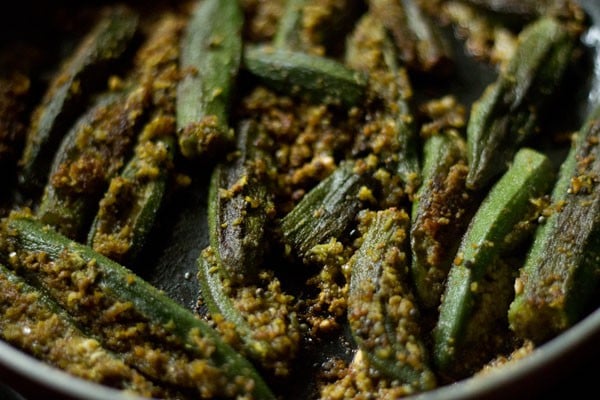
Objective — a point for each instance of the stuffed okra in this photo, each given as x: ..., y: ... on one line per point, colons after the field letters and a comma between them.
x: 85, y: 72
x: 503, y: 219
x: 130, y: 317
x: 561, y: 270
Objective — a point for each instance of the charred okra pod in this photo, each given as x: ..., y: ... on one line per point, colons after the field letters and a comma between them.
x: 507, y: 113
x: 239, y: 206
x: 509, y: 207
x: 133, y: 199
x: 34, y: 323
x: 390, y: 83
x: 319, y: 78
x: 326, y: 211
x: 128, y: 315
x: 83, y: 73
x: 90, y: 154
x: 440, y: 213
x: 561, y: 269
x: 262, y: 315
x: 382, y: 311
x: 97, y: 146
x: 211, y: 51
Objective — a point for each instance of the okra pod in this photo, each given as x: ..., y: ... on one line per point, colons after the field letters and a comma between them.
x: 262, y: 317
x: 319, y: 78
x: 128, y: 315
x: 382, y: 312
x: 211, y: 52
x: 129, y: 207
x: 560, y: 273
x: 509, y: 203
x: 85, y: 72
x: 96, y: 148
x: 326, y: 211
x: 90, y: 154
x: 370, y: 50
x: 440, y: 214
x: 239, y: 206
x: 34, y: 323
x: 507, y: 113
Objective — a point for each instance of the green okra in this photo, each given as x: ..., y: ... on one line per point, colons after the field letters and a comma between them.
x: 86, y: 70
x: 34, y: 323
x: 127, y: 314
x: 440, y: 214
x: 265, y: 323
x: 561, y: 269
x: 326, y: 211
x: 507, y: 113
x: 509, y: 203
x: 239, y: 206
x: 211, y: 52
x: 382, y: 311
x: 319, y: 78
x: 370, y: 50
x: 128, y: 209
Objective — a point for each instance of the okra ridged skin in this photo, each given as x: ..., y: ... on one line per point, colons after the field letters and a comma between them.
x: 239, y: 207
x: 85, y: 72
x: 321, y: 79
x: 561, y: 271
x: 326, y: 211
x: 130, y: 206
x: 211, y: 52
x: 86, y: 160
x: 52, y: 336
x: 130, y: 316
x: 272, y: 342
x: 440, y: 214
x: 508, y: 112
x: 509, y: 202
x: 382, y: 311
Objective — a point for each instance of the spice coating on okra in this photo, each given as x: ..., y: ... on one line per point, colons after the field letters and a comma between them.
x: 30, y: 321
